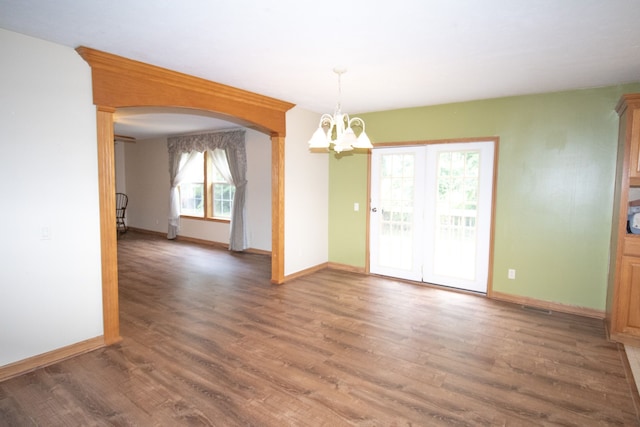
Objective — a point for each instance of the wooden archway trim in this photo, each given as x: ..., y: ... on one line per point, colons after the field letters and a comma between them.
x: 120, y: 82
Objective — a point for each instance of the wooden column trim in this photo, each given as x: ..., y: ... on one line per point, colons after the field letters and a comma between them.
x: 277, y: 209
x: 108, y: 232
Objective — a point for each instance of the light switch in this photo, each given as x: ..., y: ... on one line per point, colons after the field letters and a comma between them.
x: 356, y: 207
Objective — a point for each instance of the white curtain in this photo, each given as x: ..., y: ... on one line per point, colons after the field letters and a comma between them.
x: 177, y: 168
x: 233, y: 144
x: 237, y: 161
x: 220, y: 161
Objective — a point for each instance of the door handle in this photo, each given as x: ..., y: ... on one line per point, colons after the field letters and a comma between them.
x: 374, y: 209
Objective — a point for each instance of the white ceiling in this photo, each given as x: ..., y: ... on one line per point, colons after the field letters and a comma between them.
x: 401, y: 53
x: 148, y: 122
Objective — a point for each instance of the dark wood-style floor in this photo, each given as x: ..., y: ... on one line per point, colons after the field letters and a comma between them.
x: 209, y: 341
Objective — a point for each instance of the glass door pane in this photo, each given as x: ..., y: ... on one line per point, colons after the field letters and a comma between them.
x: 459, y: 186
x: 396, y: 214
x: 456, y: 212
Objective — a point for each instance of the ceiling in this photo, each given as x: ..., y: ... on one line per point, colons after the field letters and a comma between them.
x: 399, y: 54
x: 153, y: 122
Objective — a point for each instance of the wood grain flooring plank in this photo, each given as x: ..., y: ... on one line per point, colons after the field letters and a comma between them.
x: 209, y: 341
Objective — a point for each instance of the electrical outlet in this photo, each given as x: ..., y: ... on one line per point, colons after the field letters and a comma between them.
x: 511, y: 274
x: 45, y: 232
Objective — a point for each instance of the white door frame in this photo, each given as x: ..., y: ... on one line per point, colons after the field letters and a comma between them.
x: 495, y: 141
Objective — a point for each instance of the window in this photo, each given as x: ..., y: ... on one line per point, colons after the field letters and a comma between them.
x: 205, y: 192
x: 223, y: 193
x: 192, y: 188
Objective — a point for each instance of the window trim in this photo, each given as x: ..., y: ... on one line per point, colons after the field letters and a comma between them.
x: 210, y: 219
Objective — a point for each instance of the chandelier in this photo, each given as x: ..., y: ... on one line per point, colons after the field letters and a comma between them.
x: 337, y: 130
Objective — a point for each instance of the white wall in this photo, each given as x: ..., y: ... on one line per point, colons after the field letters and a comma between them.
x: 50, y: 280
x: 121, y: 185
x: 306, y: 208
x: 259, y: 189
x: 146, y: 167
x: 147, y: 183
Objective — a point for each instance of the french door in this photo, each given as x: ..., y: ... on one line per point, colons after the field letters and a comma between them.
x: 430, y: 217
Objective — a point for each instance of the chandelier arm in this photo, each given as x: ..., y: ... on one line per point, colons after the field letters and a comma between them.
x: 358, y: 122
x: 326, y: 120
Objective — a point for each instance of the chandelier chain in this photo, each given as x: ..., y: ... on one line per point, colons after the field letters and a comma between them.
x: 339, y: 73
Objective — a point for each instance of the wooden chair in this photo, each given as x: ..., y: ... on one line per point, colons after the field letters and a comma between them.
x: 121, y: 206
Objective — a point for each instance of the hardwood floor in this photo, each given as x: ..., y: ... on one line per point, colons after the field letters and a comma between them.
x: 209, y: 341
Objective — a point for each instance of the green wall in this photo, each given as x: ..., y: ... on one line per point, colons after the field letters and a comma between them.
x: 554, y: 194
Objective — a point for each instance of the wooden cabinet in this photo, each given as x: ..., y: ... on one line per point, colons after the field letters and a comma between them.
x: 629, y: 290
x: 623, y: 293
x: 633, y: 127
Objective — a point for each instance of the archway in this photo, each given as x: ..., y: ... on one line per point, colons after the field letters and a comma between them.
x: 119, y: 82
